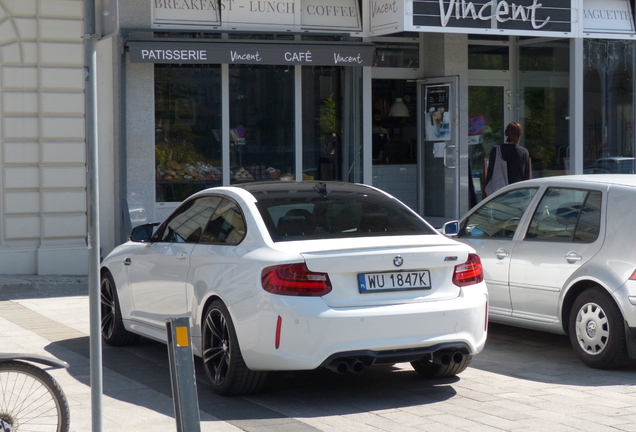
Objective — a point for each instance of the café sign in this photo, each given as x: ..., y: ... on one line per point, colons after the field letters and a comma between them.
x: 274, y: 15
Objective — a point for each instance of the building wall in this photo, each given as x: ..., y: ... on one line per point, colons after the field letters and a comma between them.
x: 43, y: 181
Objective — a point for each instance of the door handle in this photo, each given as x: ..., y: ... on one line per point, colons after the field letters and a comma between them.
x: 502, y: 253
x: 572, y: 257
x: 181, y: 255
x: 127, y: 261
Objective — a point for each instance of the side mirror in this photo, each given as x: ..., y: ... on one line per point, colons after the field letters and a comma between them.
x: 142, y: 233
x: 451, y: 229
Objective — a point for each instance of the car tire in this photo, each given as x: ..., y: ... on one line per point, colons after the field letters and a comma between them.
x: 222, y: 359
x: 430, y: 369
x: 113, y: 331
x: 597, y: 331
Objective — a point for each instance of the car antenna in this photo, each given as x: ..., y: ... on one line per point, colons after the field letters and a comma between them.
x: 321, y: 188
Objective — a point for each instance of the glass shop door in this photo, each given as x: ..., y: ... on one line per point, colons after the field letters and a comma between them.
x: 438, y: 140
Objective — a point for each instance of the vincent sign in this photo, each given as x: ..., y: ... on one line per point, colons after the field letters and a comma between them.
x: 507, y: 17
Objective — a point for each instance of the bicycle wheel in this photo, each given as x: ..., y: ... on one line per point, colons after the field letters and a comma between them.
x: 31, y: 400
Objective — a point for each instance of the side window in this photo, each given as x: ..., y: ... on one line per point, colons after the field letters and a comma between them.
x: 498, y: 218
x: 188, y: 223
x: 226, y: 227
x: 567, y: 215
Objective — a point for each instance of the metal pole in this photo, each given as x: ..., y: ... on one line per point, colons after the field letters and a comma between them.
x: 92, y: 192
x: 184, y: 380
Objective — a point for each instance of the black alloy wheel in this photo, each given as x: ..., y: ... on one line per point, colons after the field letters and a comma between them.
x: 113, y: 331
x: 222, y: 359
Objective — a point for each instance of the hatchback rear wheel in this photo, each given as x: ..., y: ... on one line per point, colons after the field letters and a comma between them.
x: 222, y: 359
x: 597, y: 331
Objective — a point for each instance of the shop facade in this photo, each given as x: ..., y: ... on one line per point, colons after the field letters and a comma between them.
x: 405, y: 95
x: 408, y: 95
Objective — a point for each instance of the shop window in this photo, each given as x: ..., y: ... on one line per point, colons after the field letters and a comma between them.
x: 262, y: 128
x: 608, y: 103
x: 397, y: 55
x: 544, y: 89
x: 394, y: 122
x: 488, y: 57
x: 187, y: 130
x: 322, y: 123
x: 552, y: 57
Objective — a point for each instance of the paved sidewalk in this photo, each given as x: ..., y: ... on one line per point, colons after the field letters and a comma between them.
x: 25, y: 286
x: 523, y: 381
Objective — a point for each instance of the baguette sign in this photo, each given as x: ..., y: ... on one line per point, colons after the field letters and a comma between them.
x: 250, y: 53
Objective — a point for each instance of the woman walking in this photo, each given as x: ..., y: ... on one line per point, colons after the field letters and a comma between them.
x: 514, y: 163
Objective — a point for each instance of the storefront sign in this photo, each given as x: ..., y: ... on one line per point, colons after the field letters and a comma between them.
x: 251, y: 53
x: 525, y: 16
x: 607, y: 16
x: 278, y: 15
x: 331, y: 15
x: 186, y: 12
x: 386, y: 15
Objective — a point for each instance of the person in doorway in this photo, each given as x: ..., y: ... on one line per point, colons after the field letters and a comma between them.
x: 516, y: 157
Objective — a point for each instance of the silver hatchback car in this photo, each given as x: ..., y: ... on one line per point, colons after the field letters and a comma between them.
x: 559, y: 254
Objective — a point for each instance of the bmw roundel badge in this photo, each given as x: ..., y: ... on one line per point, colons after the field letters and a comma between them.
x: 398, y: 261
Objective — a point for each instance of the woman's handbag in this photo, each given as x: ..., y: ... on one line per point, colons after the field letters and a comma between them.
x: 499, y: 177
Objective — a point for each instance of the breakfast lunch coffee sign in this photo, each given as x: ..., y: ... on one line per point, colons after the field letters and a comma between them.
x: 279, y: 15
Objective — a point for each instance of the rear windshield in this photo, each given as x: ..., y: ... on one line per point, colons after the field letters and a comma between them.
x: 338, y: 215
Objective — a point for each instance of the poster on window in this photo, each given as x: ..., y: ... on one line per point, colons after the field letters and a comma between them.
x: 437, y: 113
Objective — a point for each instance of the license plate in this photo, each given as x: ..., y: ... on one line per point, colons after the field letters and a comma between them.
x: 394, y: 281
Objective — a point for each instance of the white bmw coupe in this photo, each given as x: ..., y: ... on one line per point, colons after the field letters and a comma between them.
x: 297, y: 276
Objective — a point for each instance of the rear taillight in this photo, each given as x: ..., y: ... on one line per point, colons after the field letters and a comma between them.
x: 633, y: 276
x: 469, y: 273
x: 295, y: 280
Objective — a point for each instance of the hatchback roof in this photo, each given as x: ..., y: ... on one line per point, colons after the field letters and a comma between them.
x: 620, y: 179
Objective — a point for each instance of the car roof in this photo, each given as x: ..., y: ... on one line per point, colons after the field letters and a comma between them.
x: 280, y: 189
x: 618, y: 179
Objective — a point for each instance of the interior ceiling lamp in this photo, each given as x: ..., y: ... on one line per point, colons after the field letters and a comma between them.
x: 398, y: 109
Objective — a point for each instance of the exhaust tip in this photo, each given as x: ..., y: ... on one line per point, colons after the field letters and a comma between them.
x: 357, y: 366
x: 339, y: 367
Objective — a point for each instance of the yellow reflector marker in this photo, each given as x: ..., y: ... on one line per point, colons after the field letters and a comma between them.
x: 181, y: 336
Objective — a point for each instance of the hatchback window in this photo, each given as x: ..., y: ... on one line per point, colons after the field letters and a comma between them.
x: 498, y: 218
x: 567, y: 215
x: 187, y: 224
x: 338, y: 215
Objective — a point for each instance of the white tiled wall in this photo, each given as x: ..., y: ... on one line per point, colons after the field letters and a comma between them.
x: 42, y: 149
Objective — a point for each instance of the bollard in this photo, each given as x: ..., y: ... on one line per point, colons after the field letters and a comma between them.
x: 184, y: 382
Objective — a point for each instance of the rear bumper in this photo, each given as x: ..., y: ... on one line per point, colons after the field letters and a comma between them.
x: 312, y: 335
